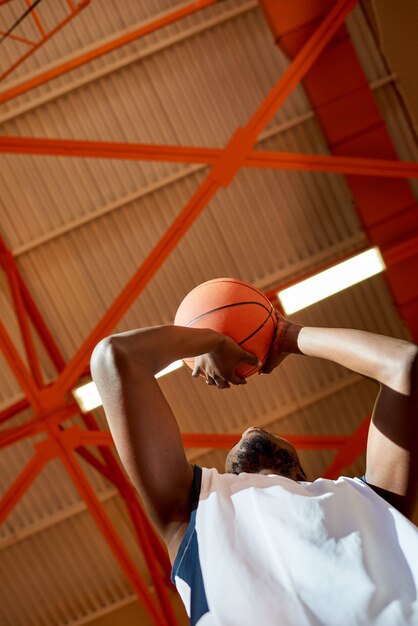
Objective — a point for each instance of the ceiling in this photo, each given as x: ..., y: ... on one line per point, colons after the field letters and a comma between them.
x: 79, y: 227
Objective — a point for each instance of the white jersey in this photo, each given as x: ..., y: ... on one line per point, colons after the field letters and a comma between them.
x: 269, y: 551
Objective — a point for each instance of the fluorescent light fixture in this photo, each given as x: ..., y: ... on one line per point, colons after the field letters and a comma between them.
x: 170, y: 368
x: 88, y: 398
x: 331, y: 280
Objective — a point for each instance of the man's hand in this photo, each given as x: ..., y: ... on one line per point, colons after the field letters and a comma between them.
x: 219, y: 367
x: 285, y: 343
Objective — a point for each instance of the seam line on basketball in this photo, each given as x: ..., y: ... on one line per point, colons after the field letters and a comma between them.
x: 227, y: 306
x: 260, y: 327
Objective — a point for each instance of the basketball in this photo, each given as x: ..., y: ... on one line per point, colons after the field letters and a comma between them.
x: 236, y: 309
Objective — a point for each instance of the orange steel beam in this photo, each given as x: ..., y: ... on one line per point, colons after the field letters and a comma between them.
x: 22, y: 483
x: 8, y: 436
x: 221, y: 175
x: 348, y: 447
x: 13, y: 410
x: 395, y: 255
x: 355, y: 445
x: 140, y: 279
x: 155, y: 556
x: 92, y: 460
x: 333, y: 164
x: 60, y: 447
x: 76, y: 438
x: 95, y: 53
x: 37, y: 425
x: 148, y: 540
x: 302, y: 63
x: 143, y: 528
x: 36, y: 47
x: 20, y: 370
x: 211, y: 440
x: 111, y: 470
x: 10, y: 267
x: 209, y: 156
x: 41, y: 328
x: 36, y: 19
x: 19, y: 39
x: 85, y: 489
x: 223, y: 172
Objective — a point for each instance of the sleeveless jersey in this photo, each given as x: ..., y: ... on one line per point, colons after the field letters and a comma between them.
x: 269, y: 551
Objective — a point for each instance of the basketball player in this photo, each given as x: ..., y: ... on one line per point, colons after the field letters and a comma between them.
x: 260, y: 544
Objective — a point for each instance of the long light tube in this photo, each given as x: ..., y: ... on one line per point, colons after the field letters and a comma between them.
x: 331, y: 280
x: 88, y: 398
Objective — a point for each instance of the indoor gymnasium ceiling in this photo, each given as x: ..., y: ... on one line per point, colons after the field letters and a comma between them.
x: 78, y: 229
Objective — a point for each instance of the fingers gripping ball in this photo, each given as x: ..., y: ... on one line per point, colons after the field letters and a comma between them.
x: 236, y: 309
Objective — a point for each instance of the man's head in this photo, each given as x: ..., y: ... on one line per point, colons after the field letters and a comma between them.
x: 260, y: 452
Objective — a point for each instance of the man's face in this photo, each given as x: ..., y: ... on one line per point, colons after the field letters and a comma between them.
x: 260, y: 452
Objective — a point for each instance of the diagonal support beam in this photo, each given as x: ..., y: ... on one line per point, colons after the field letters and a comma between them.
x: 20, y: 370
x: 39, y: 324
x: 57, y: 447
x: 13, y: 409
x: 74, y: 437
x: 19, y: 487
x: 301, y: 64
x: 145, y: 532
x: 129, y: 294
x: 10, y: 267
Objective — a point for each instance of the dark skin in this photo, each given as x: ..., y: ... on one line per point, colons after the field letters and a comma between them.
x: 148, y: 440
x: 259, y: 451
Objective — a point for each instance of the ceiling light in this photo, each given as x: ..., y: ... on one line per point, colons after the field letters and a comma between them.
x: 170, y: 368
x: 331, y: 280
x: 88, y: 397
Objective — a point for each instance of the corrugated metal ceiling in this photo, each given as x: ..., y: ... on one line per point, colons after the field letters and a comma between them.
x: 80, y: 227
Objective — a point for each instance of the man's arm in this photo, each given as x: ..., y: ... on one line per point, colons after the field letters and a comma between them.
x: 143, y: 426
x: 392, y: 446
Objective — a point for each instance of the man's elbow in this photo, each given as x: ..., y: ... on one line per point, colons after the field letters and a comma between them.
x: 402, y: 374
x: 104, y: 353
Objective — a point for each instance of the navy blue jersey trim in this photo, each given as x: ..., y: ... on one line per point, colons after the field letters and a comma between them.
x: 186, y: 564
x: 196, y: 486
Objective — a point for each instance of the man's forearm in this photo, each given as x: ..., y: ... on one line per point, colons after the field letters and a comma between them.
x: 159, y: 346
x: 385, y: 359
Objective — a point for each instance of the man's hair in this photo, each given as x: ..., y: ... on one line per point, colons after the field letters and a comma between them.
x: 260, y: 452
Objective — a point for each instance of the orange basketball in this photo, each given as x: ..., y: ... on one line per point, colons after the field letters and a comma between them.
x: 236, y: 309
